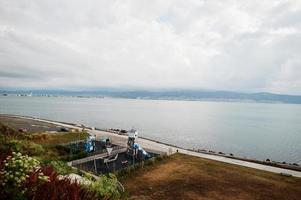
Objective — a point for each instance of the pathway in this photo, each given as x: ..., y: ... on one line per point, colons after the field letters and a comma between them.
x: 157, y: 147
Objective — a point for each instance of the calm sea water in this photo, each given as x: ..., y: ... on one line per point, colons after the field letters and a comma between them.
x: 254, y: 130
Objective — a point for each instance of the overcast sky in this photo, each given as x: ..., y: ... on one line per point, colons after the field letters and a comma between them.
x: 223, y: 45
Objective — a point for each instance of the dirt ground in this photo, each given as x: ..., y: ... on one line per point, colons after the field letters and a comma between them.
x: 187, y: 177
x: 28, y: 124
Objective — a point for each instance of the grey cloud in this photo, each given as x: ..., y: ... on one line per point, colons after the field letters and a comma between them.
x: 237, y: 45
x: 18, y: 74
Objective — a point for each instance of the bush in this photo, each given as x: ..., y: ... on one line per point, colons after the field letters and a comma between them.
x: 15, y: 172
x: 56, y: 188
x: 125, y: 171
x: 106, y: 187
x: 15, y: 145
x: 62, y: 149
x: 22, y: 177
x: 26, y: 147
x: 9, y: 132
x: 61, y: 167
x: 65, y: 153
x: 32, y: 148
x: 78, y: 155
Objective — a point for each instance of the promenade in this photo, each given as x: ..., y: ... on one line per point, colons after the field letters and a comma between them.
x: 157, y: 147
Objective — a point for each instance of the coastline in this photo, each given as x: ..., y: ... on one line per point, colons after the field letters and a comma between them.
x: 221, y: 154
x: 168, y: 149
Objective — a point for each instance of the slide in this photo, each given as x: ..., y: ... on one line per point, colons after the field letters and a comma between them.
x: 137, y: 146
x: 89, y: 147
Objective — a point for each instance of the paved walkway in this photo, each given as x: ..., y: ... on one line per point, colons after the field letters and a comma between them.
x: 157, y: 147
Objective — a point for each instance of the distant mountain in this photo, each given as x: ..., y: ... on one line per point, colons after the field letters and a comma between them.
x: 168, y: 95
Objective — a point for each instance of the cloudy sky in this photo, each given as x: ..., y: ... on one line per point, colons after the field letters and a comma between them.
x: 200, y: 44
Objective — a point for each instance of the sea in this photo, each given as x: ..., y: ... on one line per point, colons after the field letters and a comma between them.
x: 251, y: 130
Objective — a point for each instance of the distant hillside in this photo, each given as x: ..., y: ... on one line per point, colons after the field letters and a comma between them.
x: 169, y: 95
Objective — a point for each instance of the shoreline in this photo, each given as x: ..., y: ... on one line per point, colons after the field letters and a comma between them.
x: 217, y: 100
x: 290, y: 166
x: 164, y: 148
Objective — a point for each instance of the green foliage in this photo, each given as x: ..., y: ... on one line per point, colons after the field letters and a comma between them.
x: 12, y: 140
x: 25, y: 146
x: 61, y: 167
x: 15, y: 145
x: 16, y: 170
x: 67, y: 154
x: 57, y: 187
x: 78, y: 155
x: 2, y: 139
x: 32, y: 148
x: 21, y: 176
x: 62, y: 149
x: 106, y: 187
x: 9, y: 132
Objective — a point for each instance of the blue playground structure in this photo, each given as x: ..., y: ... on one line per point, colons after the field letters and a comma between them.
x: 139, y: 148
x: 133, y: 147
x: 90, y: 144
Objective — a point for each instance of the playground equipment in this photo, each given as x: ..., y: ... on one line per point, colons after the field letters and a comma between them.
x: 104, y: 141
x: 110, y: 159
x: 132, y: 135
x: 134, y: 148
x: 144, y: 153
x: 90, y: 144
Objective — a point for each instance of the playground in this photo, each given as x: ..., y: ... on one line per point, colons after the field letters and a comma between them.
x: 104, y: 157
x: 102, y: 166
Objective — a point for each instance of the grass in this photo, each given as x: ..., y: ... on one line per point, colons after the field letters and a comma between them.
x: 53, y: 143
x: 59, y: 138
x: 187, y: 177
x: 46, y: 147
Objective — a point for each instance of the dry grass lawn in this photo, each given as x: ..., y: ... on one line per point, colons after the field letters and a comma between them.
x: 187, y: 177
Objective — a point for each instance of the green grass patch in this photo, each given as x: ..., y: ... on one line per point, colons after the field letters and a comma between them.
x: 59, y: 138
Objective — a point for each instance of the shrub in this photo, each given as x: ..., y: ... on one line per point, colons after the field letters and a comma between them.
x: 62, y: 149
x: 15, y: 172
x: 78, y: 155
x: 22, y: 177
x: 25, y: 146
x: 106, y: 187
x: 56, y: 188
x: 15, y: 145
x: 32, y: 148
x: 124, y: 171
x: 150, y: 161
x: 66, y: 153
x: 9, y: 132
x: 61, y: 167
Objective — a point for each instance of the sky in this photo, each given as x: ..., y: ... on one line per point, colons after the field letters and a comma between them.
x: 235, y: 45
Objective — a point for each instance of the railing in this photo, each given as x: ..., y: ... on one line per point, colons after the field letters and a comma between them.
x: 97, y: 156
